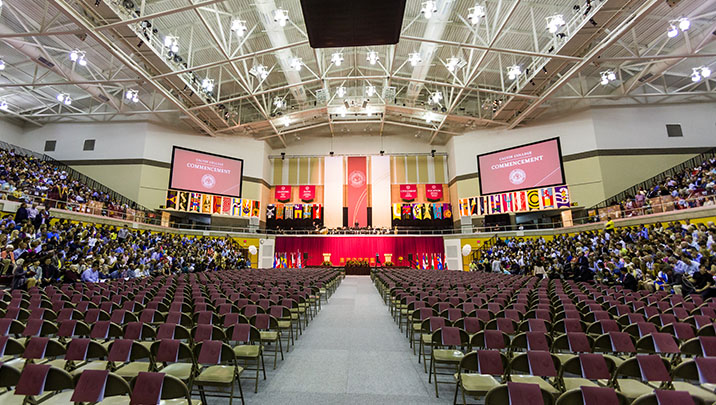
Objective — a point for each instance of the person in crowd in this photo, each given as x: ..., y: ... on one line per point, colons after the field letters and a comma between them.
x: 19, y: 275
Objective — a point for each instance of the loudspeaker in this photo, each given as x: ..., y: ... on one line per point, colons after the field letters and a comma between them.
x: 305, y: 257
x: 345, y: 217
x: 370, y: 216
x: 410, y: 257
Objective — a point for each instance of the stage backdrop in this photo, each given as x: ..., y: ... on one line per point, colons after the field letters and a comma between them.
x: 350, y: 247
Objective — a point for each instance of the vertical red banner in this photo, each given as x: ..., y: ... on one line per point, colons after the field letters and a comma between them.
x: 357, y: 192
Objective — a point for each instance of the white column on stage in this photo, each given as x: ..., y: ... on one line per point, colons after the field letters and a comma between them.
x: 380, y: 191
x: 333, y: 192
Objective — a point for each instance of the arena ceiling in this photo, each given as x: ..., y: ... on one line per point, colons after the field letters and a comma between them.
x: 230, y: 68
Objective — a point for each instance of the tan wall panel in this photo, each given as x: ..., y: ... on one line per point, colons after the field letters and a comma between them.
x: 411, y: 171
x: 292, y: 171
x: 277, y: 165
x: 439, y: 167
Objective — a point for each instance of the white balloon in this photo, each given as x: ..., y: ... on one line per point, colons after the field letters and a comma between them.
x: 466, y: 249
x: 252, y: 249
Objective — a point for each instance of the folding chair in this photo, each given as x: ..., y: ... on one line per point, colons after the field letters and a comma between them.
x: 537, y: 367
x: 587, y: 369
x: 477, y: 371
x: 500, y: 395
x: 217, y: 368
x: 171, y: 388
x: 576, y: 396
x: 668, y: 397
x: 694, y: 376
x: 175, y: 358
x: 642, y: 374
x: 448, y: 344
x: 247, y: 347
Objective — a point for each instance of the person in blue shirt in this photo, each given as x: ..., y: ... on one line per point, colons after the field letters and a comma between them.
x: 90, y: 275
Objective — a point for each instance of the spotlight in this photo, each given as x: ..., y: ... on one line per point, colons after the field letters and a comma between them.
x: 171, y: 43
x: 453, y: 64
x: 239, y: 27
x: 78, y: 57
x: 684, y: 24
x: 428, y: 9
x: 3, y: 105
x: 382, y: 153
x: 432, y: 153
x: 513, y: 71
x: 259, y: 71
x: 296, y: 64
x: 64, y: 98
x: 2, y: 65
x: 341, y: 91
x: 331, y: 153
x: 281, y: 17
x: 207, y: 85
x: 607, y: 76
x: 370, y: 90
x: 132, y: 95
x: 475, y: 14
x: 435, y: 98
x: 337, y: 58
x: 672, y: 31
x: 283, y: 155
x: 699, y: 73
x: 279, y: 103
x: 554, y: 23
x: 414, y: 58
x: 372, y: 57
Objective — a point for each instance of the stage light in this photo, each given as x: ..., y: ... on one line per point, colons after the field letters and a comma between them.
x: 207, y: 85
x: 453, y: 64
x: 78, y: 57
x: 132, y: 95
x: 281, y: 17
x: 239, y: 27
x: 428, y: 9
x: 414, y: 58
x: 705, y: 71
x: 279, y: 103
x: 555, y: 22
x: 341, y: 91
x: 3, y: 105
x: 695, y: 76
x: 372, y: 57
x: 475, y: 14
x: 337, y: 58
x: 2, y: 65
x: 672, y: 31
x: 259, y: 71
x: 370, y: 90
x: 699, y: 73
x: 513, y: 71
x: 64, y: 98
x: 435, y: 98
x: 684, y: 24
x: 296, y: 64
x: 607, y: 76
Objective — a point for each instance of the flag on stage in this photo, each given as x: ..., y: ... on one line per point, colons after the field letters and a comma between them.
x: 425, y: 261
x: 275, y: 260
x: 440, y: 262
x: 298, y: 261
x: 445, y: 262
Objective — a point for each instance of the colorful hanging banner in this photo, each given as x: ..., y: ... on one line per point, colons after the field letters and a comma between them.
x: 434, y: 192
x: 357, y: 181
x: 293, y: 211
x: 422, y: 211
x: 545, y: 198
x: 408, y: 192
x: 283, y: 193
x: 211, y: 204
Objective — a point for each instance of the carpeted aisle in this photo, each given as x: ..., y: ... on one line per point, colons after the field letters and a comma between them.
x: 352, y: 353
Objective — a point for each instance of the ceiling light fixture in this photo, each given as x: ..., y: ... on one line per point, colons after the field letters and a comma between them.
x: 207, y: 85
x: 435, y: 97
x: 699, y: 73
x: 682, y: 23
x: 607, y: 76
x: 429, y: 117
x: 414, y: 58
x: 337, y: 58
x: 286, y: 121
x: 279, y: 103
x: 132, y: 95
x: 370, y: 90
x: 239, y: 27
x: 513, y: 71
x: 281, y: 17
x: 296, y: 64
x: 554, y: 23
x: 343, y: 111
x: 64, y: 98
x: 453, y: 64
x: 2, y: 65
x: 341, y: 91
x: 372, y: 57
x: 428, y: 9
x: 78, y: 57
x: 3, y: 105
x: 259, y: 71
x: 171, y: 43
x: 474, y: 14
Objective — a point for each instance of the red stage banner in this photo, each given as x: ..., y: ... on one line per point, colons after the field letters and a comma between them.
x: 283, y: 193
x: 434, y: 192
x: 408, y: 192
x: 357, y: 192
x: 307, y: 193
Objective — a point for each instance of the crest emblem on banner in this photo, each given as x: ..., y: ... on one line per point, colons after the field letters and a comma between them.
x: 356, y: 178
x: 518, y: 176
x: 208, y: 181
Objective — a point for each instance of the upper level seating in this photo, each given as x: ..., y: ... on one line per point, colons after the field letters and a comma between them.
x: 559, y: 335
x: 138, y: 326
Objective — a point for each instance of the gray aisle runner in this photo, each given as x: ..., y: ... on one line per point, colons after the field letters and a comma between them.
x: 352, y: 353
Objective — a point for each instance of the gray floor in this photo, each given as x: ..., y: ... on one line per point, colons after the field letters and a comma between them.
x: 351, y: 353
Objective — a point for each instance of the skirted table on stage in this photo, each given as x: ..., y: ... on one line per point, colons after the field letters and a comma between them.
x: 357, y: 268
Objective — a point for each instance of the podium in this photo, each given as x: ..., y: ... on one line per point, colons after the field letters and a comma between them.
x: 388, y: 258
x: 327, y: 258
